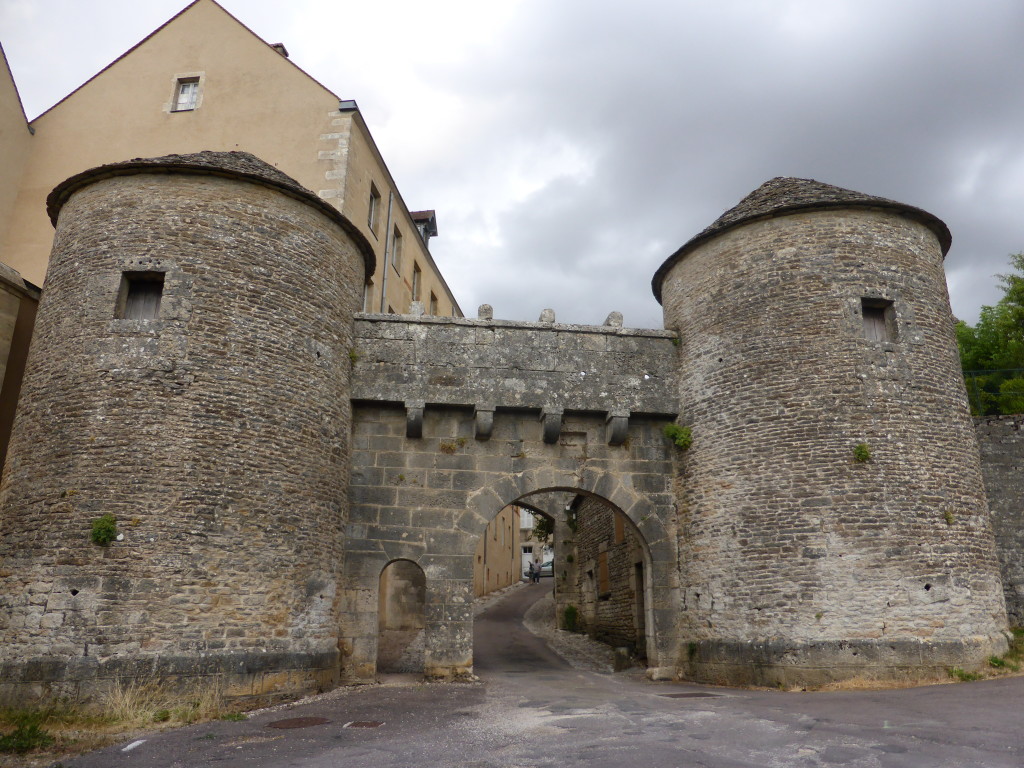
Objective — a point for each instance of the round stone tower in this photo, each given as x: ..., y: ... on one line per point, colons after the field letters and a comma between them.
x: 833, y: 518
x: 189, y: 376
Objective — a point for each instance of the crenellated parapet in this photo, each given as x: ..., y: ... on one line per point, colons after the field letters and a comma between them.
x: 489, y: 365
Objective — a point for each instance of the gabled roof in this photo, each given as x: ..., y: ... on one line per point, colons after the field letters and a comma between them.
x: 10, y: 77
x: 785, y: 195
x: 175, y: 17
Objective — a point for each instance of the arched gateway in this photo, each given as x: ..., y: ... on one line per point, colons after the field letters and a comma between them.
x: 429, y: 500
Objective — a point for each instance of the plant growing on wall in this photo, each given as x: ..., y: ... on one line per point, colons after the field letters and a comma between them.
x: 543, y: 528
x: 104, y: 530
x: 681, y: 436
x: 569, y: 618
x: 861, y: 453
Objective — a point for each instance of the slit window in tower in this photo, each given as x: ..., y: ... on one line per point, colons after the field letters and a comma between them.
x: 879, y: 319
x: 140, y: 295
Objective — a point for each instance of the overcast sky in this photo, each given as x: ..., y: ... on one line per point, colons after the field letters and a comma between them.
x: 570, y: 146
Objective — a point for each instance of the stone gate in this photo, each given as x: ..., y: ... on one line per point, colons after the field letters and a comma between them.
x: 454, y: 419
x: 200, y: 372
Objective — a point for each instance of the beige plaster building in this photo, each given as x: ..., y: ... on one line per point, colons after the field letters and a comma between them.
x: 204, y: 81
x: 497, y: 563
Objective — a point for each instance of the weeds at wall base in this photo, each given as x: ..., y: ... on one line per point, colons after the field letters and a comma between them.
x: 28, y: 733
x: 63, y: 727
x: 964, y: 676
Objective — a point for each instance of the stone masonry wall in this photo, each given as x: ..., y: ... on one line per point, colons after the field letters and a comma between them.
x: 495, y: 363
x: 428, y: 499
x: 613, y: 615
x: 217, y: 434
x: 798, y: 562
x: 1002, y: 463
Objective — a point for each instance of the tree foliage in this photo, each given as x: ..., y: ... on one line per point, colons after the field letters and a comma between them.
x: 992, y: 352
x: 543, y: 529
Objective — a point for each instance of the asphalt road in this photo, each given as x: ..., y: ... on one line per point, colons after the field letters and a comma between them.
x: 532, y: 710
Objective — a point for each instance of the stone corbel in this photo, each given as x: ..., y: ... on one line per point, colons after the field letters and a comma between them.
x: 552, y: 418
x: 484, y: 417
x: 616, y: 427
x: 414, y: 418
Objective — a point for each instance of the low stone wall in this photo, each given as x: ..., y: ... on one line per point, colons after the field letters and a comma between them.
x: 1001, y: 440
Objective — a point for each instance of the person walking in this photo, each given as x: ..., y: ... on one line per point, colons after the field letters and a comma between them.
x: 531, y: 574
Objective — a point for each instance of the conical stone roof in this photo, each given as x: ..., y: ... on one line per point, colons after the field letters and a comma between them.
x: 784, y: 195
x: 236, y: 165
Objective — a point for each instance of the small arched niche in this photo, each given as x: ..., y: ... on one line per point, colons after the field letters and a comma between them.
x: 401, y: 617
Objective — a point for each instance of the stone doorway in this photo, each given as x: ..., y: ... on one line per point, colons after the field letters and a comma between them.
x: 401, y: 617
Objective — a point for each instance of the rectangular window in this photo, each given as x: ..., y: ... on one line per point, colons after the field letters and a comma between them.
x: 368, y: 296
x: 620, y: 528
x: 374, y: 214
x: 186, y: 94
x: 416, y: 278
x: 140, y: 295
x: 433, y: 304
x: 396, y: 250
x: 879, y: 319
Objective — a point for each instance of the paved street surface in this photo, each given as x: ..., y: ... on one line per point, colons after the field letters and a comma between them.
x: 532, y: 710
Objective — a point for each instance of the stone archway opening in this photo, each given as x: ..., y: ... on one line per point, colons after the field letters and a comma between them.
x: 401, y: 617
x: 600, y: 566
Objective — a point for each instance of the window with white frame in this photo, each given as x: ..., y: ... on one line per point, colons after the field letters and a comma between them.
x: 417, y: 278
x: 186, y: 94
x: 396, y: 250
x: 374, y: 213
x: 368, y: 296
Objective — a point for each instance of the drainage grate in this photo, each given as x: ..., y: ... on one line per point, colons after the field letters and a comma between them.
x: 298, y: 722
x: 689, y: 695
x: 364, y: 724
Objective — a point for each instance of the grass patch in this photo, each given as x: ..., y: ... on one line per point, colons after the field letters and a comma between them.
x: 62, y: 728
x: 28, y: 733
x: 963, y: 676
x: 141, y: 703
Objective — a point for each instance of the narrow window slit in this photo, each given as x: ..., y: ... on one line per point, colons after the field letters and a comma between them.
x: 879, y: 319
x: 140, y: 295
